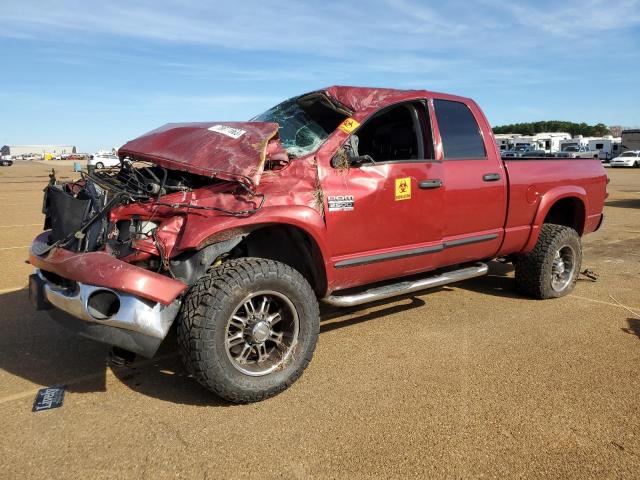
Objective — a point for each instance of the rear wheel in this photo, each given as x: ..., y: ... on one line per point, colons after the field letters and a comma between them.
x: 248, y: 329
x: 551, y: 269
x: 99, y: 165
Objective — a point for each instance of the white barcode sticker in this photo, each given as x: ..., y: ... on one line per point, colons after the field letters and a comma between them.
x: 228, y: 131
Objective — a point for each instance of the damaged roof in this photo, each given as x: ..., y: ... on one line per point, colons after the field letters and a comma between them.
x: 364, y: 98
x: 361, y: 99
x: 237, y: 151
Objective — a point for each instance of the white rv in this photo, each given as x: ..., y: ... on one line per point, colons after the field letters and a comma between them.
x: 607, y: 146
x: 575, y: 142
x: 550, y: 141
x: 504, y: 141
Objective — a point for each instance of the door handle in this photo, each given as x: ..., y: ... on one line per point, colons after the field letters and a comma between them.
x: 426, y: 184
x: 491, y: 177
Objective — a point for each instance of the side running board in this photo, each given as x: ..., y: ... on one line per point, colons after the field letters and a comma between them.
x: 401, y: 288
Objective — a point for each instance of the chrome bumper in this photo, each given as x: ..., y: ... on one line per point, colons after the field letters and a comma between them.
x: 135, y: 324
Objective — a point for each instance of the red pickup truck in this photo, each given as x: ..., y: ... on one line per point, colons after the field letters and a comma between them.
x: 233, y: 231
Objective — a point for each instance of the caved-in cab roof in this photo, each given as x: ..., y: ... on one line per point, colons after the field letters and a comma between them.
x: 237, y: 151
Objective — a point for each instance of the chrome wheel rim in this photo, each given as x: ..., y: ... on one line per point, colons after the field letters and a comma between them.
x: 261, y: 333
x: 563, y: 267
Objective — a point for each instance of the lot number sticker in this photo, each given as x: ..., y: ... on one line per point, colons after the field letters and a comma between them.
x: 228, y: 131
x: 403, y: 188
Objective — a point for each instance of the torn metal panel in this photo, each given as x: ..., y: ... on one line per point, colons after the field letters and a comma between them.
x: 358, y: 99
x: 225, y: 150
x: 100, y: 268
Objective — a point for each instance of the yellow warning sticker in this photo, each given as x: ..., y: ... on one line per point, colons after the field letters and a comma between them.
x: 349, y: 125
x: 403, y: 188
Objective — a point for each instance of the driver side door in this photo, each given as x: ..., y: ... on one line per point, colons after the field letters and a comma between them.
x: 384, y: 217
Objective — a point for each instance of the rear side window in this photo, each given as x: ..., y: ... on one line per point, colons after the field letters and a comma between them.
x: 459, y: 131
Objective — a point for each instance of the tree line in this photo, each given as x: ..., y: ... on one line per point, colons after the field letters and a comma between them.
x: 531, y: 128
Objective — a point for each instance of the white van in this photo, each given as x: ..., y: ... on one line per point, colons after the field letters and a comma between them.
x: 104, y: 160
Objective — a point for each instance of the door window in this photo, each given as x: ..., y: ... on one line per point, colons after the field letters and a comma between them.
x: 459, y: 131
x: 399, y: 134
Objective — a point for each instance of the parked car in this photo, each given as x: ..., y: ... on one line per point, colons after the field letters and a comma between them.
x: 578, y: 151
x: 518, y: 151
x: 235, y: 230
x: 534, y: 154
x: 104, y: 160
x: 6, y: 162
x: 630, y: 158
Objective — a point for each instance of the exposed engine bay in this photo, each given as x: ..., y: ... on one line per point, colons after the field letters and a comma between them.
x: 82, y: 215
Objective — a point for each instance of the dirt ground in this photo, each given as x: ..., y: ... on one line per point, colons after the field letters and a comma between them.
x: 465, y: 381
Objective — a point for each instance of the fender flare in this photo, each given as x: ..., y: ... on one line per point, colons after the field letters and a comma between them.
x: 305, y: 218
x: 547, y: 201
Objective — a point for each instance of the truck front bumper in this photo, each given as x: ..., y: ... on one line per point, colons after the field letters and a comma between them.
x: 103, y: 298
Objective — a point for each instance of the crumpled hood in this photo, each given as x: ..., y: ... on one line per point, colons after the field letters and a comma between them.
x: 225, y: 150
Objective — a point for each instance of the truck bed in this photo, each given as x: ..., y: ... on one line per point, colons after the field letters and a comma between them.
x: 550, y: 179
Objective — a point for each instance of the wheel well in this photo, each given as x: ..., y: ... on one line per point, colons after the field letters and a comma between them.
x: 290, y: 245
x: 568, y: 212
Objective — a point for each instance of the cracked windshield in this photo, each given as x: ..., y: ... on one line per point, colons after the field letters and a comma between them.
x: 304, y: 124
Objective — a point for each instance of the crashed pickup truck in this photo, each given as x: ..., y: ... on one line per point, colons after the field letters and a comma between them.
x: 235, y: 231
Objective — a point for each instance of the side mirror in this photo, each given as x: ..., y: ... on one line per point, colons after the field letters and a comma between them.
x: 345, y: 158
x: 360, y: 159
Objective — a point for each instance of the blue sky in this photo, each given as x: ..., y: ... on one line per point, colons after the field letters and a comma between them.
x: 96, y: 74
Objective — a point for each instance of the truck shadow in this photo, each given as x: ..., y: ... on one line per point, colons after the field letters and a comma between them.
x: 624, y: 203
x: 498, y: 282
x: 333, y: 318
x: 36, y: 349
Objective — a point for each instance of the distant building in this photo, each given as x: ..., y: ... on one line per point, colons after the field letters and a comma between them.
x: 630, y: 140
x: 37, y: 149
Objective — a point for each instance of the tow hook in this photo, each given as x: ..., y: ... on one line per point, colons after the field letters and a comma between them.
x: 120, y: 357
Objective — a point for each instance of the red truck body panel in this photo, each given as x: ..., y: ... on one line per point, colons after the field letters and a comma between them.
x: 385, y: 235
x: 101, y: 269
x: 229, y: 150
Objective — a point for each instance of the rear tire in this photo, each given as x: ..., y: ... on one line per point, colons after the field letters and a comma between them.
x: 237, y: 347
x: 99, y: 165
x: 551, y: 269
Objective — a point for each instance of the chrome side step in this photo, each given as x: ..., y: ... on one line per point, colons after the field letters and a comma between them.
x: 401, y: 288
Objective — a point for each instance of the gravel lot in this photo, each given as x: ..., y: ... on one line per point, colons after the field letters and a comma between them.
x: 465, y: 381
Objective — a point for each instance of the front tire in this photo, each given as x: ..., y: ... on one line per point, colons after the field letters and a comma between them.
x: 551, y: 269
x: 99, y: 165
x: 248, y: 329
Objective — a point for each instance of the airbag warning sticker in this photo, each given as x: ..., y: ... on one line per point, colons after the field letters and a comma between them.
x: 403, y: 188
x: 349, y: 125
x: 228, y: 131
x: 341, y: 203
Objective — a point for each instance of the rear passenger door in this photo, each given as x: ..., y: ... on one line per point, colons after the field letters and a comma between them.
x: 475, y: 197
